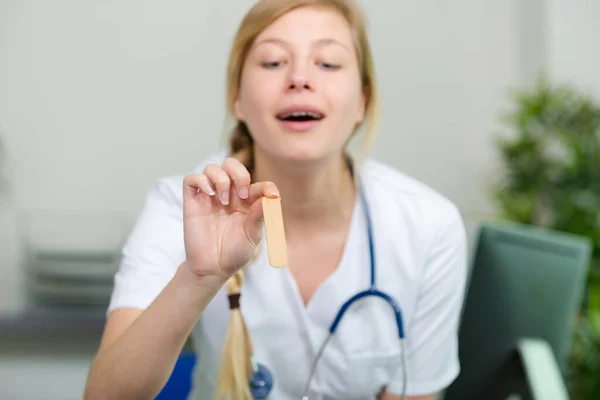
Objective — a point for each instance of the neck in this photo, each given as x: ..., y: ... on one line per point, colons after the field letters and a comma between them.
x: 317, y: 198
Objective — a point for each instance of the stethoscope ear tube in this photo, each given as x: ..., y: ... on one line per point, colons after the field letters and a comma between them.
x: 371, y: 292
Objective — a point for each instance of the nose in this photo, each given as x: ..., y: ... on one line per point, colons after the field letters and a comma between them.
x: 299, y: 83
x: 299, y: 80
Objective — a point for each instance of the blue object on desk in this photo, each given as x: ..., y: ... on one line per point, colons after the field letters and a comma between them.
x: 179, y: 385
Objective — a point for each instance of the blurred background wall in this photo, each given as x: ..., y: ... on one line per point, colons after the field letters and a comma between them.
x: 99, y: 99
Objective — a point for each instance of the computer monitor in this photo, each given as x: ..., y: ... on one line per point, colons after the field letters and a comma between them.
x: 526, y: 282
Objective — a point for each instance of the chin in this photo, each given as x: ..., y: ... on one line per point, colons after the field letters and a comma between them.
x: 308, y: 154
x: 300, y: 148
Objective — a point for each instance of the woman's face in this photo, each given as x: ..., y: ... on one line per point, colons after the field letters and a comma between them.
x: 301, y: 94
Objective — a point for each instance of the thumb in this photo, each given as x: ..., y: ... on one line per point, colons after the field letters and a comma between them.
x: 254, y: 218
x: 254, y: 222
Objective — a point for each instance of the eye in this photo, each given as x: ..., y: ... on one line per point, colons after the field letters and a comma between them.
x: 273, y: 64
x: 329, y: 66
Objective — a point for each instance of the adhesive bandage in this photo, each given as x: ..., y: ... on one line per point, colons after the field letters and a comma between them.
x: 276, y: 244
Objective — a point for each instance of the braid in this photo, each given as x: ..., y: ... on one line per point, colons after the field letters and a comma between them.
x: 241, y: 145
x: 236, y: 368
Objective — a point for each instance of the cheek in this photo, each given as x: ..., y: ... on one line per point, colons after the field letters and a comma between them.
x: 256, y: 97
x: 347, y: 98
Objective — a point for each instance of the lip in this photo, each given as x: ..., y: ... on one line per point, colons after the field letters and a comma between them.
x: 300, y: 126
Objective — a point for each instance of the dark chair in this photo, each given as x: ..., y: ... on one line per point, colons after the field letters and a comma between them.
x: 525, y: 290
x: 179, y: 385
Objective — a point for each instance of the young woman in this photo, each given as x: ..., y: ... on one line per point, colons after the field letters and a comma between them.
x: 300, y: 84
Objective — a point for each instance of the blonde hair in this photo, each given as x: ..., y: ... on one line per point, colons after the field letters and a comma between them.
x: 235, y: 369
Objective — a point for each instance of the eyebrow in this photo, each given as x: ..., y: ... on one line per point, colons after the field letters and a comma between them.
x: 319, y: 42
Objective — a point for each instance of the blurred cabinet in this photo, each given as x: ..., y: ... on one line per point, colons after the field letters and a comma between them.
x: 70, y: 259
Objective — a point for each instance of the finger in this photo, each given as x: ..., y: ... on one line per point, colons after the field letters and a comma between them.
x: 254, y: 222
x: 198, y: 183
x: 262, y: 189
x: 239, y: 175
x: 194, y: 204
x: 220, y: 180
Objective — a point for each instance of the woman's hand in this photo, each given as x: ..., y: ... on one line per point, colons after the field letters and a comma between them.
x: 222, y: 218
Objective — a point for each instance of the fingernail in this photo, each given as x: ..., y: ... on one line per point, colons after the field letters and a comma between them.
x: 209, y: 190
x: 244, y: 192
x: 273, y: 194
x: 225, y: 198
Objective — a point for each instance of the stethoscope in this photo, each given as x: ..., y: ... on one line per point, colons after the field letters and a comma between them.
x: 261, y: 380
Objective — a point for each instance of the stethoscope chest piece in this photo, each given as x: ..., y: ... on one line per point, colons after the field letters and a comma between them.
x: 261, y: 383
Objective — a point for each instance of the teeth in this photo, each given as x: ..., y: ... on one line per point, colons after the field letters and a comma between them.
x: 301, y: 114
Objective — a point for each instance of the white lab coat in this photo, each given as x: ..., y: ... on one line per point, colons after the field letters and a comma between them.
x: 421, y: 258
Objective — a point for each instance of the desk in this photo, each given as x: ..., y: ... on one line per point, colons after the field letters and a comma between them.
x: 53, y: 320
x: 45, y: 354
x: 54, y: 348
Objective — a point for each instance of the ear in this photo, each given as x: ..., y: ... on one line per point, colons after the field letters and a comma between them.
x: 237, y: 110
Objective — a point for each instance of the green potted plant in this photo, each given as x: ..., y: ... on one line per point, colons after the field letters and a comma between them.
x: 551, y: 165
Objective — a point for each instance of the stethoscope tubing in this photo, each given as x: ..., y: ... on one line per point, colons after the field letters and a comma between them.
x: 262, y: 384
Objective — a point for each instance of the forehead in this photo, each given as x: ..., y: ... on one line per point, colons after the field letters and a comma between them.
x: 309, y: 24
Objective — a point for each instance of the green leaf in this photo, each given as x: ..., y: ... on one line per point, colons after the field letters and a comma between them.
x: 594, y: 308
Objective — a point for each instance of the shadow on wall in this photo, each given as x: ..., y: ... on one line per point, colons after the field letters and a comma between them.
x: 3, y: 173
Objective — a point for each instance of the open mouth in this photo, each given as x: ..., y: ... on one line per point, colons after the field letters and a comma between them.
x: 300, y: 116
